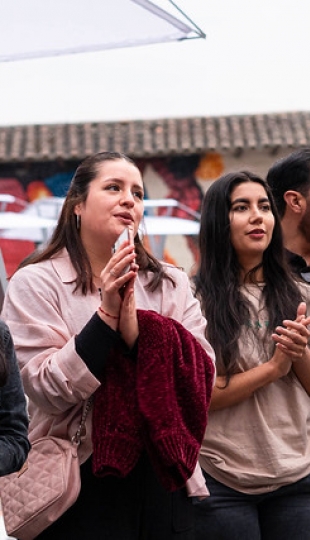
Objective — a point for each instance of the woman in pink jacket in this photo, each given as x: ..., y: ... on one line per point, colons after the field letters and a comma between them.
x: 88, y: 320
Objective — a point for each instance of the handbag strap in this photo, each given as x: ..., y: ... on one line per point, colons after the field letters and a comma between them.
x: 80, y: 432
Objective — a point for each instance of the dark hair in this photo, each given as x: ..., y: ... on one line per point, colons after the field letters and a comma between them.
x: 218, y: 277
x: 291, y: 172
x: 66, y: 234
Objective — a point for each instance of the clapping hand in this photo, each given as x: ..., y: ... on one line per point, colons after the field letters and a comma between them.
x: 292, y: 338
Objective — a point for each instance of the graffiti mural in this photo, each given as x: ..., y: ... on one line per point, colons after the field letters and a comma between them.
x: 182, y: 176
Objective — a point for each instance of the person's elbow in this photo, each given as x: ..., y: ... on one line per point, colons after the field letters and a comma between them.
x: 13, y: 455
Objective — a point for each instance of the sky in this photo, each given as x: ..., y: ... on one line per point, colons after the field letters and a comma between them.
x: 255, y: 59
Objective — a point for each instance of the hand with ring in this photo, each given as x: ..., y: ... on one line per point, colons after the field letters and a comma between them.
x: 115, y: 277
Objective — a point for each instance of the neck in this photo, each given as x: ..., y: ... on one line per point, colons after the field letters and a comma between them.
x: 295, y: 240
x: 98, y: 262
x: 299, y: 246
x: 257, y: 277
x: 97, y: 266
x: 98, y: 250
x: 247, y: 266
x: 96, y: 278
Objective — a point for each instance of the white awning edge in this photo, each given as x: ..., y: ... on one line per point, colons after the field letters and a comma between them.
x: 35, y: 29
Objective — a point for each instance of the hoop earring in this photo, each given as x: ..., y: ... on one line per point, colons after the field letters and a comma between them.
x: 78, y: 222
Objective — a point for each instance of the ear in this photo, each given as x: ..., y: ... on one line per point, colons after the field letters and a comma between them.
x: 77, y: 210
x: 295, y: 201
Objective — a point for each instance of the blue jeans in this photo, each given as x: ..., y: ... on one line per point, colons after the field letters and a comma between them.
x: 227, y: 514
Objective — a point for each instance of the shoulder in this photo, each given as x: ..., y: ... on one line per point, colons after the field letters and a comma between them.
x: 58, y: 268
x: 304, y: 290
x: 175, y: 272
x: 29, y: 288
x: 180, y: 281
x: 33, y: 277
x: 178, y: 276
x: 35, y: 269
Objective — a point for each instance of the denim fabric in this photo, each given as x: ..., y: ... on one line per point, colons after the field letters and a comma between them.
x: 227, y: 514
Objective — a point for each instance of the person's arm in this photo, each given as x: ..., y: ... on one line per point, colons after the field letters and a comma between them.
x: 291, y: 351
x: 241, y: 386
x: 14, y: 443
x: 44, y: 317
x: 95, y: 342
x: 128, y: 324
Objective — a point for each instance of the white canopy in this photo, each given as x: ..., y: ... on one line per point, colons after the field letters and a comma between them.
x: 39, y: 28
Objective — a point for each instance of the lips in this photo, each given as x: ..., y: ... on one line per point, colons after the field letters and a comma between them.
x: 257, y: 231
x: 125, y: 215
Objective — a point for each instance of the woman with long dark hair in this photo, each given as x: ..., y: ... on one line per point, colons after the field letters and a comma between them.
x: 256, y: 450
x: 114, y: 324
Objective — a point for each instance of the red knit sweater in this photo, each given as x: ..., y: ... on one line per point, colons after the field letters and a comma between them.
x: 158, y: 403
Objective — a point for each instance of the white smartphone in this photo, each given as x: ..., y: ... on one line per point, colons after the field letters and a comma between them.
x: 127, y: 234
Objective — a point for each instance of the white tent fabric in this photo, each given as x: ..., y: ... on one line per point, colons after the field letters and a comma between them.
x: 36, y: 28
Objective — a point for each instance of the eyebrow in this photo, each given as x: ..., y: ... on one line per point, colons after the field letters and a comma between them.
x: 243, y: 199
x: 121, y: 181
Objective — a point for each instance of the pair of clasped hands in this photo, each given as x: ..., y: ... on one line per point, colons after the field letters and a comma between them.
x: 117, y: 292
x: 292, y: 341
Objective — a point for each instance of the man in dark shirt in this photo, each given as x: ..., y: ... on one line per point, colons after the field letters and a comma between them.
x: 289, y: 179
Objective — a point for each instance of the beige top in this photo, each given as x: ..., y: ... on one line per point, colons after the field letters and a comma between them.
x: 262, y: 443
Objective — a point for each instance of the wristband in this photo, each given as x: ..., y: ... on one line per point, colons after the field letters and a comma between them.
x: 108, y: 314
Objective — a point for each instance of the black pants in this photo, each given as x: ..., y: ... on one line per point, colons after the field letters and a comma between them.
x: 133, y: 508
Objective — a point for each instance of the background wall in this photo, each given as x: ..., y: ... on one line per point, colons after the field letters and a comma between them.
x: 183, y: 177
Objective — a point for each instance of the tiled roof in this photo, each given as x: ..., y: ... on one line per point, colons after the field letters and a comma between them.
x: 149, y: 138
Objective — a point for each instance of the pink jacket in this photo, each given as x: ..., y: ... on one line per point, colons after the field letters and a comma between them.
x: 44, y: 315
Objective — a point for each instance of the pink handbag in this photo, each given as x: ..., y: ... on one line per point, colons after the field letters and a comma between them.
x: 46, y: 486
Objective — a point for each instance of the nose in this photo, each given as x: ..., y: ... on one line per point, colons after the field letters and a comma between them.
x: 256, y: 215
x: 127, y: 198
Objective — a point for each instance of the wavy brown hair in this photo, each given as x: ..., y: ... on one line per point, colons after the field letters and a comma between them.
x: 66, y: 234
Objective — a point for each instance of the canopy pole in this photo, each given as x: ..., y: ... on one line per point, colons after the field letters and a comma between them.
x: 201, y: 33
